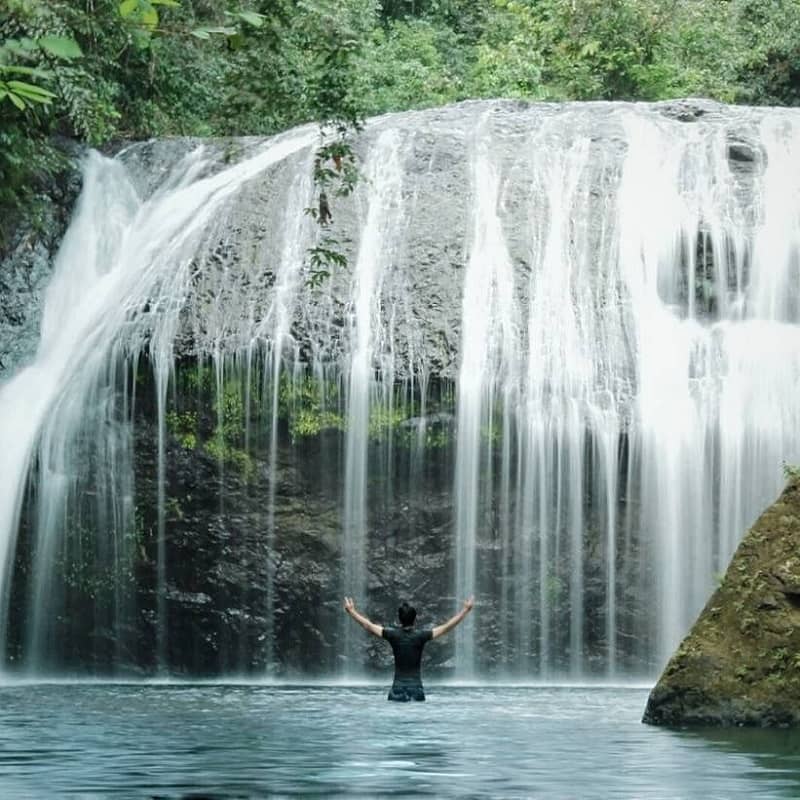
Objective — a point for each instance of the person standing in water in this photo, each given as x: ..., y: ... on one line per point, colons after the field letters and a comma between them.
x: 407, y: 643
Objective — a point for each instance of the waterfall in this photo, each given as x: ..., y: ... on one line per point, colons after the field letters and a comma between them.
x: 488, y: 287
x: 383, y: 176
x: 107, y: 277
x: 559, y: 372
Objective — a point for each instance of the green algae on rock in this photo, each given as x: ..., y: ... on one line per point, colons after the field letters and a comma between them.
x: 740, y: 663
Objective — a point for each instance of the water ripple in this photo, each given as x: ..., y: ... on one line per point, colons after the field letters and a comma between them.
x: 226, y: 742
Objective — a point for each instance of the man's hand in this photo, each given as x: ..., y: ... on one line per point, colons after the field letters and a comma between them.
x: 350, y: 608
x: 440, y: 630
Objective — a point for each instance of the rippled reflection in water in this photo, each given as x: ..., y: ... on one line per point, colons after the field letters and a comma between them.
x: 212, y: 741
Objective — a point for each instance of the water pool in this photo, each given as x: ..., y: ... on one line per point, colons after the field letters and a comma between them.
x: 248, y: 741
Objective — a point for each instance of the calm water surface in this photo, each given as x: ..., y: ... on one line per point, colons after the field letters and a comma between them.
x: 211, y: 741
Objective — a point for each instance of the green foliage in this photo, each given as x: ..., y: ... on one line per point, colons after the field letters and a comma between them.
x: 323, y: 258
x: 311, y: 407
x: 305, y: 392
x: 436, y: 437
x: 768, y: 51
x: 791, y: 471
x: 382, y: 420
x: 331, y: 36
x: 59, y: 47
x: 308, y: 406
x: 585, y: 49
x: 236, y: 457
x: 95, y: 70
x: 226, y: 442
x: 210, y: 421
x: 99, y: 69
x: 24, y: 94
x: 505, y: 64
x: 310, y: 422
x: 465, y: 18
x: 335, y: 167
x: 198, y: 379
x: 230, y: 413
x: 594, y: 49
x: 183, y: 426
x: 492, y: 433
x: 410, y: 64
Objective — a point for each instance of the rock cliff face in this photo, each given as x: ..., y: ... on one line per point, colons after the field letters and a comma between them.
x: 221, y: 561
x: 26, y: 267
x: 436, y: 205
x: 223, y: 569
x: 740, y: 664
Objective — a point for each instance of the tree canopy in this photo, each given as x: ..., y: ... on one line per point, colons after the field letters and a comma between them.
x: 99, y: 70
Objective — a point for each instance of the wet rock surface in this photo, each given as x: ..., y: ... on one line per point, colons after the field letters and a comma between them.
x: 429, y: 238
x: 432, y: 219
x: 223, y: 548
x: 435, y: 209
x: 739, y: 665
x: 25, y: 270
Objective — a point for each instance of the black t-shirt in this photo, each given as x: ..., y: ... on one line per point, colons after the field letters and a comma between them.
x: 407, y: 644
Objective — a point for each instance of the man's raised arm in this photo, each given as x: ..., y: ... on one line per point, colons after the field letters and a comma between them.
x: 440, y: 630
x: 350, y: 608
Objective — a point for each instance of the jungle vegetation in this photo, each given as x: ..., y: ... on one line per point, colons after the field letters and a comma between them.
x: 95, y: 71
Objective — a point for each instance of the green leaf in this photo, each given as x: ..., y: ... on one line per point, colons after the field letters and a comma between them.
x: 21, y: 46
x: 251, y: 18
x: 205, y: 32
x: 31, y: 91
x: 317, y: 277
x: 17, y: 101
x: 32, y: 71
x: 149, y: 17
x: 127, y: 7
x: 590, y: 48
x: 32, y: 98
x: 24, y: 86
x: 170, y: 3
x: 60, y: 47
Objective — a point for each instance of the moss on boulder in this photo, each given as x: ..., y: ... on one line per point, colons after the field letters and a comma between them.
x: 740, y: 663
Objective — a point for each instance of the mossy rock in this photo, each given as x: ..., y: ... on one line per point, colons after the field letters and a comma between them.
x: 740, y: 663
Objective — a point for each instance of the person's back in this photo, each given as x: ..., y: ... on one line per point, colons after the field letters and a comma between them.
x: 407, y: 645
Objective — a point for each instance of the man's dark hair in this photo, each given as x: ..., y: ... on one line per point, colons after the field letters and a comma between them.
x: 407, y: 614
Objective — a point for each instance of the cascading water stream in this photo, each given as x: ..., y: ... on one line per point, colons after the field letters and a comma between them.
x: 276, y: 329
x: 104, y: 277
x: 609, y: 291
x: 557, y: 377
x: 488, y: 287
x: 383, y: 175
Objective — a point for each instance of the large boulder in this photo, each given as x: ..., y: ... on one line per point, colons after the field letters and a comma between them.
x: 740, y: 663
